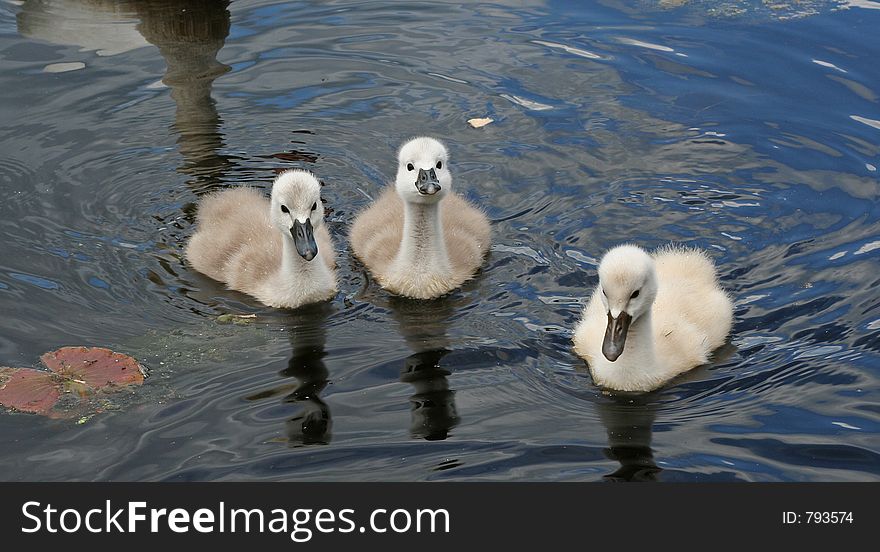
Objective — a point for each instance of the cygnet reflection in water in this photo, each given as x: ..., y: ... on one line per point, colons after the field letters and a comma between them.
x: 424, y: 326
x: 188, y: 34
x: 311, y: 424
x: 433, y: 403
x: 629, y: 424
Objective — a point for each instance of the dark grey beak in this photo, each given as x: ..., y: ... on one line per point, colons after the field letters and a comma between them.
x: 615, y: 336
x: 427, y: 182
x: 304, y: 239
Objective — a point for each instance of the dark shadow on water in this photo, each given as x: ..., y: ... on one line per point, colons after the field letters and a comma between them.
x: 629, y: 424
x: 311, y: 423
x: 424, y: 326
x: 433, y: 403
x: 189, y: 34
x: 308, y: 336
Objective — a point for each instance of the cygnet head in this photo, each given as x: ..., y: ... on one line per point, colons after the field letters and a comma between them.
x: 422, y: 172
x: 628, y: 286
x: 297, y: 209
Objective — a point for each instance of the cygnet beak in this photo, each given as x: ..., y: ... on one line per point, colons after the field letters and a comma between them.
x: 304, y: 239
x: 615, y: 335
x: 427, y: 182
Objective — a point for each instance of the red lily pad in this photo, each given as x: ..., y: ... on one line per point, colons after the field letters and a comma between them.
x: 96, y: 367
x: 28, y: 390
x: 75, y: 372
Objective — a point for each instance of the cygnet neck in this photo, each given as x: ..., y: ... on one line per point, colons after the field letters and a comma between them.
x: 423, y: 247
x: 292, y: 262
x: 639, y: 349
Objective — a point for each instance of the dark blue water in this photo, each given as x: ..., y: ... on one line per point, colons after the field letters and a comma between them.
x: 748, y: 129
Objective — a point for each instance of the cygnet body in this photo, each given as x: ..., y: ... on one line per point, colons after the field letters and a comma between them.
x: 420, y: 239
x: 652, y: 317
x: 277, y: 250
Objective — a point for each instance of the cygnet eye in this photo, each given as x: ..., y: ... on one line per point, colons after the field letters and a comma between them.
x: 635, y: 294
x: 314, y: 205
x: 409, y: 167
x: 284, y: 209
x: 439, y: 164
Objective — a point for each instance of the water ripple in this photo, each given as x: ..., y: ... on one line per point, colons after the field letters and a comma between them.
x: 654, y: 124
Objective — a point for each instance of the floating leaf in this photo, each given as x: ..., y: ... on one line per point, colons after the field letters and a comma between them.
x: 95, y: 367
x: 237, y: 319
x: 480, y: 123
x: 76, y: 372
x: 29, y: 390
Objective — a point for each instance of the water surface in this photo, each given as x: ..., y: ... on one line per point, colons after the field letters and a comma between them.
x: 748, y: 130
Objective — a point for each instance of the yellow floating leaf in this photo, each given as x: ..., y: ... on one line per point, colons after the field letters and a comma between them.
x: 480, y: 123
